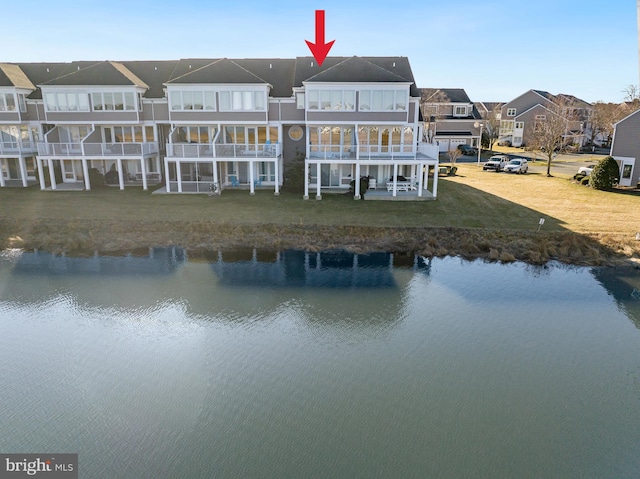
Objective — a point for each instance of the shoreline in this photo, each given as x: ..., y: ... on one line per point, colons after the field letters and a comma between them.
x: 114, y: 236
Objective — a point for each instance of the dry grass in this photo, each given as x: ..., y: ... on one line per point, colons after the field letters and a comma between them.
x: 477, y: 214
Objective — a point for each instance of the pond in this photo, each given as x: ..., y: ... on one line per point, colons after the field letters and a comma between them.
x: 292, y: 364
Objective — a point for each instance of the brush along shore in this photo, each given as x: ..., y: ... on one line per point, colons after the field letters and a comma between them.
x: 113, y: 236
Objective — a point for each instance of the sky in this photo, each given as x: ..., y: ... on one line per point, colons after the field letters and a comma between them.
x: 494, y: 50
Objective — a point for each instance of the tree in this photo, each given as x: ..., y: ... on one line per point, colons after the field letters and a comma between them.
x: 631, y: 93
x: 454, y: 154
x: 605, y: 174
x: 491, y: 128
x: 547, y: 133
x: 604, y: 116
x: 429, y: 100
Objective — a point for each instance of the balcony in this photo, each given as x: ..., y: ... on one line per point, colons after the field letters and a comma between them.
x: 17, y: 147
x: 98, y: 150
x: 226, y: 151
x: 333, y: 152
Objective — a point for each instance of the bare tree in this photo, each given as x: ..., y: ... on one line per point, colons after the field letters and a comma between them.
x: 491, y: 122
x: 547, y: 133
x: 454, y: 154
x: 631, y: 93
x: 604, y: 116
x: 430, y: 97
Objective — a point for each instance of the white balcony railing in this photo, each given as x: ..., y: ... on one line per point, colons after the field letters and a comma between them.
x: 120, y: 149
x: 98, y: 149
x: 208, y: 150
x: 60, y: 149
x: 366, y: 152
x: 332, y: 152
x: 430, y: 150
x: 17, y: 146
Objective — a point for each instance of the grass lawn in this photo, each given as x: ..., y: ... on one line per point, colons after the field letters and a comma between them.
x: 471, y: 200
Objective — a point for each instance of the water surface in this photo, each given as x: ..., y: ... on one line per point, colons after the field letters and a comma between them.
x: 320, y: 365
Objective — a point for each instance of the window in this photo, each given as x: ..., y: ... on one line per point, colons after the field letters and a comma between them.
x: 460, y: 111
x: 66, y: 101
x: 517, y: 140
x: 382, y: 100
x: 195, y: 134
x: 511, y: 112
x: 541, y: 117
x: 192, y: 100
x: 506, y: 127
x: 22, y: 103
x: 113, y: 101
x: 246, y: 100
x: 7, y: 102
x: 520, y: 124
x: 300, y: 101
x: 332, y: 100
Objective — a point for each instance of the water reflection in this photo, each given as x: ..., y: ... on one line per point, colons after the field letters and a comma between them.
x: 623, y: 284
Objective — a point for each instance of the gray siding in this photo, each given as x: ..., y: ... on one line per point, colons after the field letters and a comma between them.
x: 215, y: 116
x: 626, y: 142
x: 32, y: 112
x: 92, y: 116
x: 12, y: 117
x: 522, y: 103
x: 357, y: 116
x: 290, y: 112
x: 290, y: 146
x: 457, y: 125
x: 155, y: 112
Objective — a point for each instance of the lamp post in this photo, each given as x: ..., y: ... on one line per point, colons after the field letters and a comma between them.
x: 478, y: 124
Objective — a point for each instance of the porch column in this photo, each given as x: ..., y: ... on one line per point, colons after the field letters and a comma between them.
x: 166, y: 174
x: 120, y: 173
x: 23, y: 170
x: 306, y: 180
x: 158, y: 166
x: 52, y: 175
x: 435, y: 181
x: 356, y: 183
x: 276, y: 173
x: 216, y: 185
x: 420, y: 179
x: 40, y: 173
x: 179, y: 175
x: 395, y: 180
x: 252, y: 186
x: 85, y: 173
x: 2, y: 163
x: 143, y: 168
x: 318, y: 181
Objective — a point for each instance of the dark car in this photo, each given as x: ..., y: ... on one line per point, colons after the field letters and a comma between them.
x: 468, y: 150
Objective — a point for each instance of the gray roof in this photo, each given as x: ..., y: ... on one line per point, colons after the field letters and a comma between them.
x: 100, y: 73
x: 445, y: 95
x: 217, y: 71
x: 488, y: 106
x: 574, y: 101
x: 278, y: 72
x: 153, y: 73
x: 40, y: 73
x: 355, y: 69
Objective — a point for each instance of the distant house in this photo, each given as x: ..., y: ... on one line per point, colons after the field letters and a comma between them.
x: 450, y: 117
x: 520, y: 115
x: 625, y: 148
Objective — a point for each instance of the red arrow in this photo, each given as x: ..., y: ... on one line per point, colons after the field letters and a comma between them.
x: 320, y: 49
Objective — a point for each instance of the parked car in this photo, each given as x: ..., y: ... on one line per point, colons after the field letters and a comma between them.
x: 468, y: 150
x: 517, y: 165
x: 504, y: 142
x: 496, y: 163
x: 585, y: 170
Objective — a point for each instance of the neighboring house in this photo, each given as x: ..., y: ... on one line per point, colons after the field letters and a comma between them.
x: 625, y: 148
x: 450, y: 118
x: 202, y: 124
x: 18, y: 135
x: 519, y: 116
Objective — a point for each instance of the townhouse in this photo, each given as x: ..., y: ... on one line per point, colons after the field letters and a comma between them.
x: 451, y: 119
x: 520, y: 115
x: 202, y: 125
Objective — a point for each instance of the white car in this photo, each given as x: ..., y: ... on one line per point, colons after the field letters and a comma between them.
x: 517, y: 165
x: 585, y: 170
x: 496, y: 163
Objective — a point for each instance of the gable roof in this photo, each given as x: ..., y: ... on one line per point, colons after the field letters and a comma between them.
x: 217, y: 71
x: 355, y: 69
x: 98, y: 74
x: 153, y: 73
x: 574, y: 101
x: 39, y: 73
x: 12, y: 75
x: 278, y: 72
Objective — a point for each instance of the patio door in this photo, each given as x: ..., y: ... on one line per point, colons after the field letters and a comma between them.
x: 68, y: 171
x: 626, y: 171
